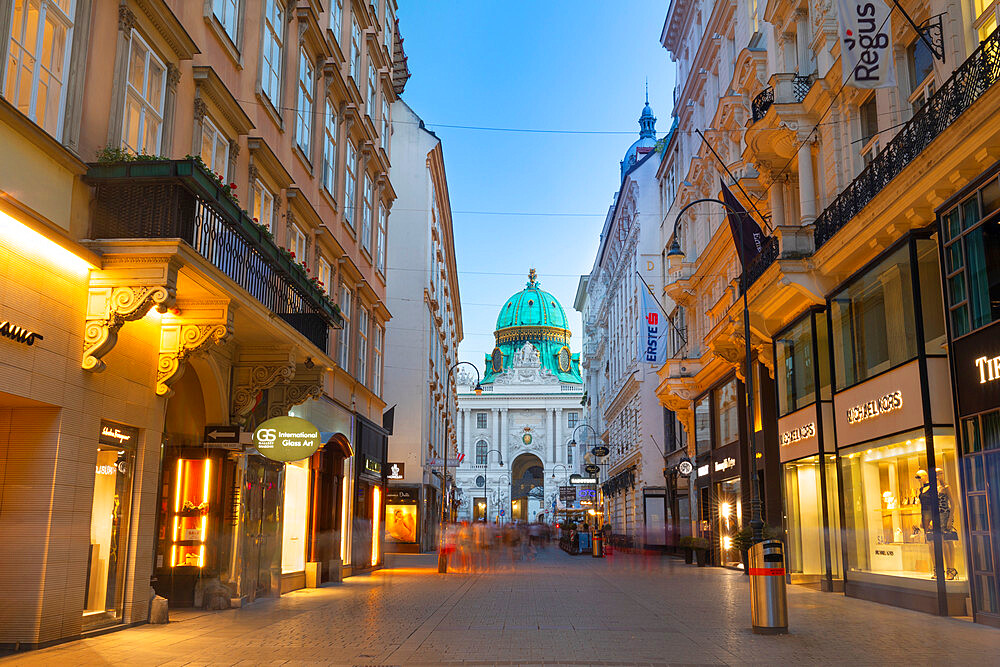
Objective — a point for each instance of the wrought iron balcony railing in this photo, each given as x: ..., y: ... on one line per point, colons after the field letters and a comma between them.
x: 180, y: 199
x: 768, y: 255
x: 966, y: 85
x: 801, y: 85
x: 761, y: 103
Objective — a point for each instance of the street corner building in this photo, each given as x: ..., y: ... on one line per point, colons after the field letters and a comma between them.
x: 871, y: 300
x: 516, y: 436
x: 193, y: 221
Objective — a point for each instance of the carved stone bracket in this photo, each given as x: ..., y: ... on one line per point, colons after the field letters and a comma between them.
x: 307, y: 383
x: 255, y: 370
x: 197, y: 326
x: 124, y: 291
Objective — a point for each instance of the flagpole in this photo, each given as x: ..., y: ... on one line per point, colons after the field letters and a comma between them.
x: 650, y: 290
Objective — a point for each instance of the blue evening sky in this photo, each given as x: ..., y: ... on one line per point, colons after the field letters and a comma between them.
x: 577, y: 65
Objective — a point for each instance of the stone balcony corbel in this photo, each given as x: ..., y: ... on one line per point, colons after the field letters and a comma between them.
x: 195, y: 327
x: 124, y: 290
x: 257, y: 369
x: 795, y: 242
x: 305, y: 384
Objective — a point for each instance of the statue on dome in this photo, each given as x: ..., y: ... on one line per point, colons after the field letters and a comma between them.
x: 527, y: 357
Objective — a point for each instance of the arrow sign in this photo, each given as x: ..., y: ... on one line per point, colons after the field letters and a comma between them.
x: 222, y: 436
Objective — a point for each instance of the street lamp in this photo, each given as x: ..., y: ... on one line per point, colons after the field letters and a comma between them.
x: 445, y: 500
x: 486, y: 475
x: 675, y: 255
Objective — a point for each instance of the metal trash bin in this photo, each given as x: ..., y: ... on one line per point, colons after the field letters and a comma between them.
x: 598, y: 545
x: 768, y: 598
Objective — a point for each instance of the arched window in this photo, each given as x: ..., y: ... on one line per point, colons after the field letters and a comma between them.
x: 481, y: 452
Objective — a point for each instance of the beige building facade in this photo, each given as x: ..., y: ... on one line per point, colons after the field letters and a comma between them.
x: 194, y: 208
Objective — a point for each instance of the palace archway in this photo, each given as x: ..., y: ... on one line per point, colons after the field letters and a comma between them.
x: 527, y: 484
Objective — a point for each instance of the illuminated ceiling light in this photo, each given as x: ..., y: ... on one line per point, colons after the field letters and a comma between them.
x: 38, y: 246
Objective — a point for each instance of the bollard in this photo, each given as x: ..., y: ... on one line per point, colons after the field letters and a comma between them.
x: 768, y: 598
x: 598, y: 551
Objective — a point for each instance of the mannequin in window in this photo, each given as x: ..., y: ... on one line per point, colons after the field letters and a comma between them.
x: 949, y: 535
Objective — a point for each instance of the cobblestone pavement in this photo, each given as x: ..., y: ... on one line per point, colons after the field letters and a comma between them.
x: 558, y: 609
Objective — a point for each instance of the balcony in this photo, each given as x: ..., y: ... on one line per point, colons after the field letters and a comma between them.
x: 791, y: 89
x: 179, y: 199
x: 966, y: 85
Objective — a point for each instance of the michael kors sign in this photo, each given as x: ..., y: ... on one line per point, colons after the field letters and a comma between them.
x: 796, y: 434
x: 876, y: 407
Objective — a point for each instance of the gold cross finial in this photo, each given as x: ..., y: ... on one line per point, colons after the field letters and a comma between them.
x: 532, y: 277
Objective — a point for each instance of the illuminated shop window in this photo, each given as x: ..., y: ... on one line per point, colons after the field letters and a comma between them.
x: 293, y: 524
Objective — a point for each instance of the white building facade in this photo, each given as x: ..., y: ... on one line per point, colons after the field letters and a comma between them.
x: 422, y: 340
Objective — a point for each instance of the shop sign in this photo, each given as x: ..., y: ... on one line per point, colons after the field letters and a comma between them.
x: 702, y: 470
x: 223, y: 437
x: 725, y: 464
x: 586, y: 494
x: 396, y: 496
x: 976, y: 361
x: 798, y: 433
x: 372, y: 465
x: 286, y: 439
x: 396, y: 471
x: 452, y: 463
x: 887, y: 557
x: 592, y: 468
x: 117, y: 435
x: 989, y: 369
x: 600, y: 451
x: 876, y: 407
x: 583, y: 480
x: 567, y: 493
x: 19, y: 334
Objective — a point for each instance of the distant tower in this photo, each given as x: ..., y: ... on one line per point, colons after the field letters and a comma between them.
x: 647, y: 138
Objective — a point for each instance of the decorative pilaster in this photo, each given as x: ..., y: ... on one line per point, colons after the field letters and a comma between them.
x: 200, y: 111
x: 504, y: 444
x: 255, y: 370
x: 560, y: 446
x: 495, y: 416
x: 197, y: 326
x: 307, y: 383
x: 124, y: 291
x: 126, y: 19
x: 169, y: 109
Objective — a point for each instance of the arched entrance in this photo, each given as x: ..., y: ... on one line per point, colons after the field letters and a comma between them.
x: 527, y: 484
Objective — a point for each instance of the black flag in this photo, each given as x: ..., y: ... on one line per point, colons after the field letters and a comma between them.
x: 739, y: 219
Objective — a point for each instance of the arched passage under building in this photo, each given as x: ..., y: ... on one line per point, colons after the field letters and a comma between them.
x: 527, y: 482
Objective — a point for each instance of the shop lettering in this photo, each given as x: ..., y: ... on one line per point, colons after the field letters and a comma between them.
x: 874, y: 408
x: 885, y: 552
x: 702, y: 470
x: 796, y: 434
x: 725, y: 464
x: 109, y: 432
x: 19, y: 334
x: 989, y: 369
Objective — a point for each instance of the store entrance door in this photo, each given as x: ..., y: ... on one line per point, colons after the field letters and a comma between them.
x: 260, y: 529
x: 983, y: 501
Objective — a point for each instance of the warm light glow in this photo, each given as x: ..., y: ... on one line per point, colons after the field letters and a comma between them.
x: 204, y: 527
x: 376, y: 522
x: 208, y: 475
x: 201, y: 556
x: 725, y: 509
x: 38, y: 247
x: 591, y: 512
x: 727, y: 542
x: 173, y: 556
x: 177, y: 527
x: 177, y: 486
x: 345, y: 536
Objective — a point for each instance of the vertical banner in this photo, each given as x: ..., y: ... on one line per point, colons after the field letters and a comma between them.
x: 652, y: 327
x: 866, y: 44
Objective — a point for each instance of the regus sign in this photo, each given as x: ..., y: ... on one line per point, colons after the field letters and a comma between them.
x: 286, y: 439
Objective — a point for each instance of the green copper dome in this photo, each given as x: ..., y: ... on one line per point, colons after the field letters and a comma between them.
x: 534, y: 316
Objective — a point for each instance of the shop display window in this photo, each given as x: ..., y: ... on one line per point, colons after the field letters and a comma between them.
x: 401, y: 523
x: 294, y: 514
x: 108, y: 535
x: 795, y: 360
x: 376, y: 523
x: 804, y: 527
x: 888, y: 507
x: 191, y: 506
x: 729, y: 505
x: 873, y: 321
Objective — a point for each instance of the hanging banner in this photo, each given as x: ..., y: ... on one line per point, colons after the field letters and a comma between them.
x: 866, y: 44
x: 652, y: 328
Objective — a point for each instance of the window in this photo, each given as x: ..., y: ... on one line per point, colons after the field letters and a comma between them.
x: 569, y: 455
x: 40, y: 41
x: 390, y: 26
x: 274, y: 31
x: 228, y: 13
x: 987, y: 12
x: 795, y: 370
x: 350, y: 185
x: 702, y: 425
x: 372, y: 94
x: 377, y: 361
x: 324, y: 274
x: 336, y: 18
x: 362, y: 373
x: 727, y: 427
x: 330, y: 148
x: 214, y: 148
x: 921, y: 66
x: 873, y: 317
x: 263, y: 205
x: 366, y: 215
x: 297, y: 243
x: 144, y: 95
x: 386, y: 125
x: 869, y: 129
x: 573, y: 419
x: 344, y: 354
x: 355, y: 50
x: 480, y: 420
x: 481, y: 452
x: 972, y: 259
x: 304, y: 111
x: 383, y: 223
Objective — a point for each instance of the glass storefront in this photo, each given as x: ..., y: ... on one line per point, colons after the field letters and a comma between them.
x: 888, y: 508
x: 295, y: 507
x: 982, y: 477
x: 729, y: 504
x: 805, y: 543
x: 109, y: 517
x: 797, y: 362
